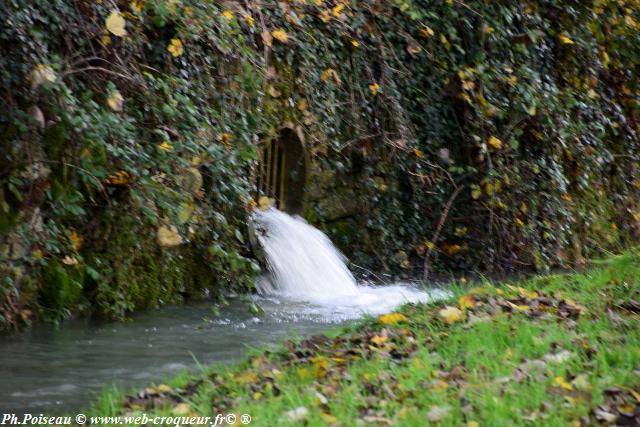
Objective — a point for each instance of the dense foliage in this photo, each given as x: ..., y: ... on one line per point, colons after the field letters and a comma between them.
x: 490, y: 135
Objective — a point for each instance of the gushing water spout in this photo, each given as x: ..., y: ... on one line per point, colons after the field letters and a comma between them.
x: 302, y: 261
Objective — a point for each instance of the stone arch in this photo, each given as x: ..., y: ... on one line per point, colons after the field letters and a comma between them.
x: 282, y: 170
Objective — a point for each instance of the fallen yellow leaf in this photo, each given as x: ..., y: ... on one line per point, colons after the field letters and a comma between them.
x: 466, y: 301
x: 560, y: 382
x: 247, y: 377
x: 328, y: 418
x: 392, y: 318
x: 450, y: 314
x: 181, y: 409
x: 379, y: 340
x: 374, y: 88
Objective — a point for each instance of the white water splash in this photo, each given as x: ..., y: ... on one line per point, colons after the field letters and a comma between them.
x: 304, y: 266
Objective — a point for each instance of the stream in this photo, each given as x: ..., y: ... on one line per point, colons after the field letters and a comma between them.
x: 55, y: 370
x: 307, y: 288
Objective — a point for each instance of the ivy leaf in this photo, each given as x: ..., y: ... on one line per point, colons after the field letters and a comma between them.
x: 115, y: 24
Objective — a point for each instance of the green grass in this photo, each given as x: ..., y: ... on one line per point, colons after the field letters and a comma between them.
x: 514, y: 358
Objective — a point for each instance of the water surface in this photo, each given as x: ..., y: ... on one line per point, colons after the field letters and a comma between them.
x: 52, y: 370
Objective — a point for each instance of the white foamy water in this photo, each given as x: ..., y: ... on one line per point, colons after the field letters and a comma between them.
x: 304, y: 266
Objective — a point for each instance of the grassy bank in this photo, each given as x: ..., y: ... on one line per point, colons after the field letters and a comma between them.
x: 553, y: 350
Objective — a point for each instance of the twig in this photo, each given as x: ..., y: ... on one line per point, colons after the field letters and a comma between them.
x: 104, y: 70
x: 436, y: 235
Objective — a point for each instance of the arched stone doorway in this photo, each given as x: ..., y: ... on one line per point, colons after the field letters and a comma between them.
x: 282, y: 171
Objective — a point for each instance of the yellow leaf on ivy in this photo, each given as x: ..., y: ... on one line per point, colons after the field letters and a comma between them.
x: 165, y: 146
x: 336, y: 11
x: 69, y: 260
x: 119, y: 178
x: 265, y: 202
x: 115, y: 24
x: 42, y: 74
x: 175, y: 48
x: 115, y: 100
x: 226, y: 138
x: 227, y: 14
x: 355, y: 43
x: 168, y: 236
x: 564, y: 39
x: 374, y: 88
x: 392, y: 318
x: 494, y: 143
x: 136, y: 6
x: 426, y: 32
x: 476, y: 192
x: 280, y: 35
x: 76, y: 240
x: 450, y: 314
x: 327, y: 74
x: 250, y: 21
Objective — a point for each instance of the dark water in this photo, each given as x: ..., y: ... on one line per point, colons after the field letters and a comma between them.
x: 54, y: 370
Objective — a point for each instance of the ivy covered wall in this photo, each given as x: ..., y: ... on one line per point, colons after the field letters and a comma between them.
x: 456, y: 135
